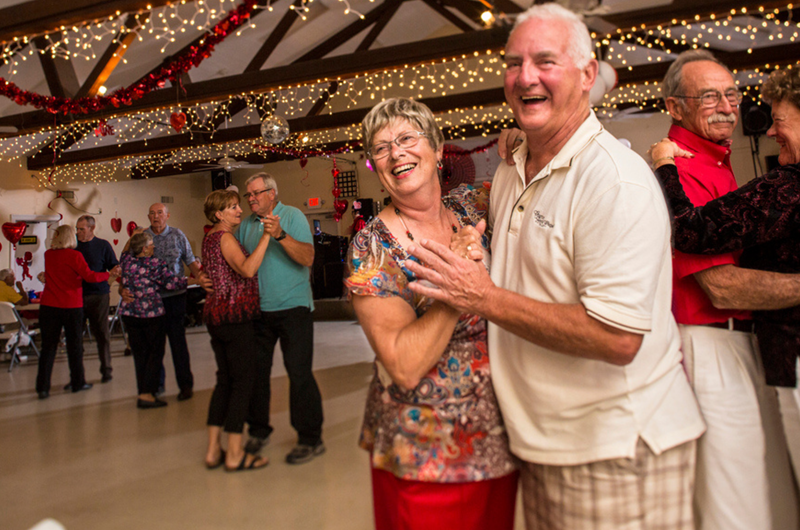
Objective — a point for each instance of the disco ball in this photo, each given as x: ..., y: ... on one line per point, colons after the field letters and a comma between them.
x: 274, y: 129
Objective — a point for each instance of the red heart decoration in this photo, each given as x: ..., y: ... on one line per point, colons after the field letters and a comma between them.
x: 13, y: 231
x: 206, y: 228
x: 177, y: 120
x: 1, y: 246
x: 131, y: 227
x: 303, y: 162
x: 340, y: 205
x: 336, y: 192
x: 116, y: 224
x: 116, y: 241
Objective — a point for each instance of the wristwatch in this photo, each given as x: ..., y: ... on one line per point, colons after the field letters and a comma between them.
x: 282, y: 236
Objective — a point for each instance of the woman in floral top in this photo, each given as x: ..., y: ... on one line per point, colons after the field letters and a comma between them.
x: 229, y: 313
x: 143, y: 275
x: 439, y: 450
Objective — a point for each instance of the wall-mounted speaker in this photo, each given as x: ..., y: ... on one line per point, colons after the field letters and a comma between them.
x: 220, y: 179
x: 756, y: 119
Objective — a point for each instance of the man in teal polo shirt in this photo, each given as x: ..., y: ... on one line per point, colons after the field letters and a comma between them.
x: 286, y: 304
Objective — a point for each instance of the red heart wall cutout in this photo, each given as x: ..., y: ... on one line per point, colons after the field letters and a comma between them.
x: 116, y: 224
x: 131, y: 227
x: 13, y: 231
x: 116, y: 241
x: 177, y: 120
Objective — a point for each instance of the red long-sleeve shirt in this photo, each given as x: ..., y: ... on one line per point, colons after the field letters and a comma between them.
x: 64, y: 272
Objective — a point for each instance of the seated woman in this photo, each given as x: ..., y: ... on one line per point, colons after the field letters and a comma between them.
x: 439, y: 450
x: 143, y: 275
x: 61, y: 307
x: 229, y: 313
x: 762, y: 218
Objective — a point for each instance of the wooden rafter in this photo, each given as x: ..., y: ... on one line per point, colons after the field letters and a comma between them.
x: 380, y: 24
x: 169, y: 143
x: 310, y: 71
x: 274, y: 39
x: 344, y: 35
x: 451, y: 17
x: 59, y: 73
x: 44, y: 16
x: 110, y: 58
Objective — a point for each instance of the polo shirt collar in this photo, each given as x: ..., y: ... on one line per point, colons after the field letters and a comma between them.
x: 590, y: 128
x: 705, y: 151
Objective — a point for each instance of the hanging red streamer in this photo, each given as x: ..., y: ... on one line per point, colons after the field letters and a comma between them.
x: 125, y: 96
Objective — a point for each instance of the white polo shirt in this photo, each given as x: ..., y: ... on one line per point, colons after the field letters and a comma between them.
x: 591, y: 228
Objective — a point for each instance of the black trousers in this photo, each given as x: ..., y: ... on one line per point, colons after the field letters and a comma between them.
x: 95, y: 309
x: 147, y: 337
x: 175, y: 307
x: 51, y: 321
x: 294, y: 328
x: 235, y: 349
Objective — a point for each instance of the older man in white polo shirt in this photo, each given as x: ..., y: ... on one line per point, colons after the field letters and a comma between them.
x: 585, y: 351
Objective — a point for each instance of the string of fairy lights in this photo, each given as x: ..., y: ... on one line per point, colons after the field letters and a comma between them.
x: 735, y: 29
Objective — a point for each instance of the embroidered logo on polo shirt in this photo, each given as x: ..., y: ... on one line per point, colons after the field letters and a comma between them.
x: 540, y: 220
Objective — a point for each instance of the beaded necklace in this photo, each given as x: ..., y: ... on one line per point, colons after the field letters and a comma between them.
x: 409, y: 235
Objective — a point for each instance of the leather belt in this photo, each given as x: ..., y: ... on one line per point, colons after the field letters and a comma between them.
x: 733, y: 324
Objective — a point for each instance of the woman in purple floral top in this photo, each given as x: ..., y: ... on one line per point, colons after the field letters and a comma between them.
x: 143, y: 275
x: 438, y: 447
x: 229, y: 313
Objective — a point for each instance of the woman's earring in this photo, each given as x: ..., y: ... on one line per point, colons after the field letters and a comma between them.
x: 439, y: 165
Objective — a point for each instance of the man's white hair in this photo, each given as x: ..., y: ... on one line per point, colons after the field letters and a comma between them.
x: 580, y: 41
x: 5, y: 273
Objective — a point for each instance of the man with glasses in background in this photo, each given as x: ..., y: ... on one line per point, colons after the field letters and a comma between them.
x: 744, y: 477
x: 286, y: 304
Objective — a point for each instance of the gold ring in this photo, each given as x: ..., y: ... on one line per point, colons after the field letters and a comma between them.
x: 518, y: 140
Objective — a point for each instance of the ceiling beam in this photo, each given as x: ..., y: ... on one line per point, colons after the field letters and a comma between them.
x: 344, y: 35
x: 46, y: 16
x: 174, y: 142
x: 278, y: 33
x: 58, y: 71
x: 288, y: 75
x: 380, y: 24
x: 110, y: 58
x: 451, y: 17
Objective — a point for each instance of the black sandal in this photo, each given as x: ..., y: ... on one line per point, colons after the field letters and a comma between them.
x: 243, y: 467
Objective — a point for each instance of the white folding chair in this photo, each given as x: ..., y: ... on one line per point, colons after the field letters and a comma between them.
x: 116, y: 318
x: 16, y: 338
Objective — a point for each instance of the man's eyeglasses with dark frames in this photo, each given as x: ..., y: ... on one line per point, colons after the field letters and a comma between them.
x: 256, y: 193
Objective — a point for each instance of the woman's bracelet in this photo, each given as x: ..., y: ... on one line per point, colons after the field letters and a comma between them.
x: 657, y: 160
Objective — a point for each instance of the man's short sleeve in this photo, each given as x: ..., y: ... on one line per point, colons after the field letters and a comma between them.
x: 297, y: 226
x: 186, y: 250
x: 621, y: 242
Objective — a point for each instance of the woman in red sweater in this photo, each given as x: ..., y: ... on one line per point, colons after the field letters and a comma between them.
x: 62, y: 307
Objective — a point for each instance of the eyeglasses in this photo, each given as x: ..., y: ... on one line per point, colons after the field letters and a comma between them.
x: 256, y: 193
x: 407, y: 140
x: 712, y: 98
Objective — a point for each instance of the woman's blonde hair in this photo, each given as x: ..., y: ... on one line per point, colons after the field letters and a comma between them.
x: 216, y: 201
x: 64, y: 237
x: 393, y: 109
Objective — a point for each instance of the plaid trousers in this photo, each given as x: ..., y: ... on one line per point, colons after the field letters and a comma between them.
x: 648, y: 492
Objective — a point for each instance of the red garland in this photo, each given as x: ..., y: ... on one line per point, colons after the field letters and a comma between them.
x: 125, y: 96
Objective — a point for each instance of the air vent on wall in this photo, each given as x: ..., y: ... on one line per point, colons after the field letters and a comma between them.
x: 167, y: 200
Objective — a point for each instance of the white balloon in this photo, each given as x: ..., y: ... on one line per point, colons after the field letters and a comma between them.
x: 597, y: 92
x: 608, y: 74
x: 625, y: 142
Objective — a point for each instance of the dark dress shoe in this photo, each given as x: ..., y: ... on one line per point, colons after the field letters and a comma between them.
x: 44, y: 394
x: 68, y: 387
x: 144, y: 404
x: 106, y: 378
x: 85, y: 386
x: 185, y: 394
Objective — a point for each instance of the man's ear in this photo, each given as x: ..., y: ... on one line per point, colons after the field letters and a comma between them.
x: 590, y: 74
x: 675, y: 108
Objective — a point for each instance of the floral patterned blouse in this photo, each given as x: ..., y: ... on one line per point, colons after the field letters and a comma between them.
x: 449, y: 428
x: 235, y: 298
x: 143, y: 277
x: 763, y: 218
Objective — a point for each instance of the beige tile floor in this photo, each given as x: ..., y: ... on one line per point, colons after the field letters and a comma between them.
x: 93, y: 461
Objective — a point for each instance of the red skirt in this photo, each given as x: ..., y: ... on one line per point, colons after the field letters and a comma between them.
x: 414, y: 505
